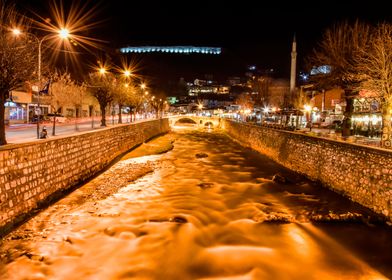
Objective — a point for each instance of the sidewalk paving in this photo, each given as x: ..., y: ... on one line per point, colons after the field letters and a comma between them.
x: 331, y: 134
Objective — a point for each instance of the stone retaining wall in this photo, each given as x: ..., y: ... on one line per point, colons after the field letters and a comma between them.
x: 364, y: 174
x: 31, y: 172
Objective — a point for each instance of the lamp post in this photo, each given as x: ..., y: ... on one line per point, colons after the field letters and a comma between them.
x: 63, y: 34
x: 308, y: 110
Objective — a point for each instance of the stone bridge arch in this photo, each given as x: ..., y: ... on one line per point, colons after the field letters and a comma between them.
x: 199, y: 121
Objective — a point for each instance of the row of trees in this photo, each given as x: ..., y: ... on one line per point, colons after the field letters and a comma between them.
x: 18, y: 65
x: 360, y: 60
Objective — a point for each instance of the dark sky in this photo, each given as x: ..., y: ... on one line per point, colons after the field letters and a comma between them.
x: 250, y: 32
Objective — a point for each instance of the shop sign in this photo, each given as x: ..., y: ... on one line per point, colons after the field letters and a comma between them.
x: 21, y: 97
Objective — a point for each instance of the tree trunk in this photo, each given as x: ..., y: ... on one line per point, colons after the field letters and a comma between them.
x: 346, y: 125
x: 119, y: 113
x: 54, y: 125
x: 3, y: 141
x: 103, y: 114
x: 386, y: 137
x: 76, y: 119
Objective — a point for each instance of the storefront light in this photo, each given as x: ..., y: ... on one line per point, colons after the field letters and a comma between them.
x: 10, y: 104
x: 366, y: 119
x: 374, y: 119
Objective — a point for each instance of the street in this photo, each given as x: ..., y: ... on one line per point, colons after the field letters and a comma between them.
x: 20, y: 133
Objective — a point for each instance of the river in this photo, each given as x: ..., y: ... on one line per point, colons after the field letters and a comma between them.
x: 207, y: 209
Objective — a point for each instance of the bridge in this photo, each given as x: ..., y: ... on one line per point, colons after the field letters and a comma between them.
x: 200, y: 121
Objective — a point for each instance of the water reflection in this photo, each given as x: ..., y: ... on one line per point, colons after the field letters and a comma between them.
x: 210, y: 210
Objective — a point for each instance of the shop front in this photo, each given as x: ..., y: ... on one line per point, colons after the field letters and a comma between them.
x: 366, y: 118
x: 16, y: 108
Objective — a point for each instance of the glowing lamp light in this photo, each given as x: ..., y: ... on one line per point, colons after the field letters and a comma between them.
x: 374, y: 119
x: 64, y: 33
x: 366, y: 119
x: 127, y: 73
x: 307, y: 108
x: 102, y: 71
x: 16, y: 31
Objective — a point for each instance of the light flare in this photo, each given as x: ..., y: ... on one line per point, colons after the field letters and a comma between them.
x: 70, y: 23
x: 64, y: 33
x: 16, y: 31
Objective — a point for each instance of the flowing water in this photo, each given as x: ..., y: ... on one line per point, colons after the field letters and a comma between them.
x: 210, y: 210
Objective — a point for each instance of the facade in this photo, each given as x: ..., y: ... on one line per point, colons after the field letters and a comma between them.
x: 278, y: 90
x: 327, y: 106
x: 199, y: 87
x: 22, y: 107
x: 366, y: 117
x: 17, y: 107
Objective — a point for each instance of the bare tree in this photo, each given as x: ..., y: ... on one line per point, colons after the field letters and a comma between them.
x: 157, y: 102
x: 17, y: 58
x: 101, y: 87
x: 61, y: 94
x: 337, y: 50
x: 122, y: 96
x: 138, y: 100
x: 374, y: 69
x: 246, y: 103
x: 261, y: 85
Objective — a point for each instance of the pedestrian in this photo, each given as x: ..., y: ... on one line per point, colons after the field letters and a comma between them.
x: 44, y: 133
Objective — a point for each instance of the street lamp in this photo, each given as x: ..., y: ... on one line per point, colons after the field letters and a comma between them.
x: 16, y: 31
x: 127, y: 73
x: 308, y: 110
x: 63, y: 34
x: 102, y: 71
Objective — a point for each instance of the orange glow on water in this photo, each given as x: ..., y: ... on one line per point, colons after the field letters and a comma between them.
x: 215, y: 217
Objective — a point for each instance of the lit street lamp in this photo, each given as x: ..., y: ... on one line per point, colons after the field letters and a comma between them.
x: 308, y: 110
x: 63, y: 34
x: 102, y: 71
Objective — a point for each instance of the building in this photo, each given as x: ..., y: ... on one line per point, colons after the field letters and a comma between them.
x: 199, y: 87
x: 17, y: 107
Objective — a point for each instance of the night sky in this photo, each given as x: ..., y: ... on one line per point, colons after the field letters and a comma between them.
x: 250, y: 32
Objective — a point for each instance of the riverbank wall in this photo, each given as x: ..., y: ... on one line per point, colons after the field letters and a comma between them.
x: 361, y: 173
x: 31, y: 173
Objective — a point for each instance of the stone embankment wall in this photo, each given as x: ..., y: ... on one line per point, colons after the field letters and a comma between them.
x: 364, y: 174
x: 31, y: 172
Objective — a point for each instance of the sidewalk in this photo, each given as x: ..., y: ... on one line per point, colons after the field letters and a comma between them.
x: 331, y: 134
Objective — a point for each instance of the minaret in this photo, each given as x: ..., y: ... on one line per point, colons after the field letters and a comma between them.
x: 293, y: 65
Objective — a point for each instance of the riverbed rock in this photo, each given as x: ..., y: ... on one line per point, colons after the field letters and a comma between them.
x: 201, y: 155
x: 179, y: 220
x: 279, y: 178
x: 205, y: 185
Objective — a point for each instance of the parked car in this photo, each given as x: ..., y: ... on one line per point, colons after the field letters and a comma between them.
x: 41, y: 118
x: 59, y: 117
